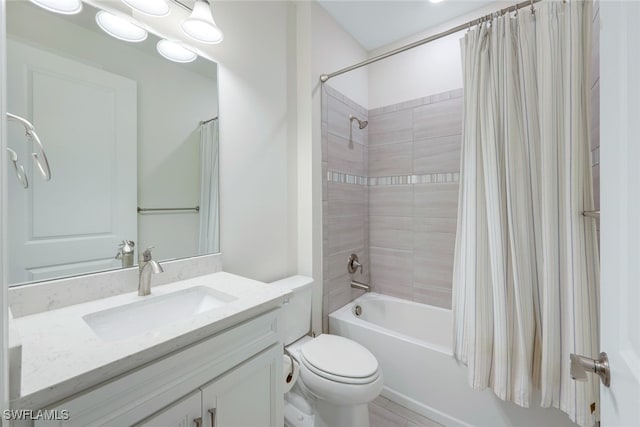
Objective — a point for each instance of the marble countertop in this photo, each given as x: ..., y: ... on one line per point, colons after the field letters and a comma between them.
x: 61, y: 355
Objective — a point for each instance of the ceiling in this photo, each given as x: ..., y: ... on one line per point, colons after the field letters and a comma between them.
x: 376, y: 23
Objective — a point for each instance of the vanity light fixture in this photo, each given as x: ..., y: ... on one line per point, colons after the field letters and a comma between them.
x: 436, y: 1
x: 156, y: 8
x: 200, y: 26
x: 175, y: 51
x: 65, y: 7
x: 120, y: 27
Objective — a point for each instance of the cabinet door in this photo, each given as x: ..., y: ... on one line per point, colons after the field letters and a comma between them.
x: 248, y: 396
x: 184, y: 413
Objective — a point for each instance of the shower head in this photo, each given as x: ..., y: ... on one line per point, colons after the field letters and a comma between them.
x: 361, y: 123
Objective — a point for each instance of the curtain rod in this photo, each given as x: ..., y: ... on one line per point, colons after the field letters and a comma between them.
x: 204, y: 122
x: 143, y: 210
x: 325, y: 77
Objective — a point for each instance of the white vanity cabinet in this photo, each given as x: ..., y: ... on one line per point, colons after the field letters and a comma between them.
x: 236, y: 373
x: 185, y: 413
x: 243, y: 397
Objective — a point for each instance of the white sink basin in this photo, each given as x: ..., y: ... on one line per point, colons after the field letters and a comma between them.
x: 152, y: 312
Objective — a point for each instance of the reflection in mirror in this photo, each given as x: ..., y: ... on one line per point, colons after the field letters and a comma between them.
x: 132, y: 142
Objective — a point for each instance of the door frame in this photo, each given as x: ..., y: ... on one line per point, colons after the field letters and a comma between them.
x: 4, y: 310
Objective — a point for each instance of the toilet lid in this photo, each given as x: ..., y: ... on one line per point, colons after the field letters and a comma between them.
x: 339, y: 356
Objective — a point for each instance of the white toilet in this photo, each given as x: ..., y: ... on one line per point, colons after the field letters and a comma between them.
x: 338, y: 377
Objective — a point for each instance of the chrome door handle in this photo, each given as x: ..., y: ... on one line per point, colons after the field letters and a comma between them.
x: 212, y: 411
x: 198, y: 421
x: 580, y: 365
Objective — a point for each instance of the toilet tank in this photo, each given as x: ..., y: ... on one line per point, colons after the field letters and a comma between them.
x: 297, y: 312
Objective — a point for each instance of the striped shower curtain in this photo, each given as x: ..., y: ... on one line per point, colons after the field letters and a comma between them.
x: 209, y: 199
x: 526, y: 263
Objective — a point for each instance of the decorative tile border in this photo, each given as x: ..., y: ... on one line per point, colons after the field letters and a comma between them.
x: 345, y: 178
x: 428, y: 178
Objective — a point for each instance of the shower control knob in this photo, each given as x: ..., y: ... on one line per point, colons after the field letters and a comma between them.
x: 353, y: 264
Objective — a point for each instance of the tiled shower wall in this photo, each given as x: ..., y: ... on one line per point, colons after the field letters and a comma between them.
x: 345, y: 201
x: 414, y: 164
x: 390, y: 195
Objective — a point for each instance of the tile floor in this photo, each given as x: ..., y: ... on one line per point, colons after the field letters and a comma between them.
x: 385, y: 413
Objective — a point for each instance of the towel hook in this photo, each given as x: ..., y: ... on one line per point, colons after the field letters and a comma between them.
x: 40, y: 157
x: 19, y: 169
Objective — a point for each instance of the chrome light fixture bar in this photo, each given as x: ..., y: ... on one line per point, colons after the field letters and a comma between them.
x: 200, y: 26
x: 156, y: 8
x: 120, y: 27
x: 65, y: 7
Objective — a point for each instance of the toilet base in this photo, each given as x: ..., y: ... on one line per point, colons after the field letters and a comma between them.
x: 294, y: 417
x: 330, y: 415
x: 301, y: 409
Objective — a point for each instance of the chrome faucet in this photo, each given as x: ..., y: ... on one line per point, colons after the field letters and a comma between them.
x: 359, y: 285
x: 147, y: 266
x: 353, y: 264
x: 126, y: 253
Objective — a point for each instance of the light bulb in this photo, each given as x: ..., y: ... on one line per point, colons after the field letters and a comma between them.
x: 120, y: 28
x: 65, y: 7
x: 200, y: 26
x: 175, y: 52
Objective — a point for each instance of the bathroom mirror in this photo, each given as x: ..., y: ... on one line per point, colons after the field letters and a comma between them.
x: 131, y: 139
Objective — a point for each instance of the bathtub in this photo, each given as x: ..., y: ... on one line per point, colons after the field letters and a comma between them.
x: 413, y: 345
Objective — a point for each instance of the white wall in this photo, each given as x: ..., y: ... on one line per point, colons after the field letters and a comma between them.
x: 257, y: 146
x: 332, y: 49
x: 258, y: 212
x: 422, y: 71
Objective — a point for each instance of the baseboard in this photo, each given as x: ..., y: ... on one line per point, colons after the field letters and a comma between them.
x: 424, y: 410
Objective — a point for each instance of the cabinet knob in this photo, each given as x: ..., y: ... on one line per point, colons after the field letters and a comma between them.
x: 212, y: 411
x: 198, y: 421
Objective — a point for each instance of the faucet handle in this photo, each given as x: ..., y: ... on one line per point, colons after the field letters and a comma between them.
x: 126, y: 247
x: 126, y: 243
x: 146, y: 255
x: 353, y: 264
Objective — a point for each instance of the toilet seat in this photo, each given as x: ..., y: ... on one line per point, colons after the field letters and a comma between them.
x: 340, y: 393
x: 339, y: 359
x: 337, y: 378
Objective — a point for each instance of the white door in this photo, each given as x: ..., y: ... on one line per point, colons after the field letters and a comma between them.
x: 620, y: 210
x: 87, y: 121
x: 249, y: 396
